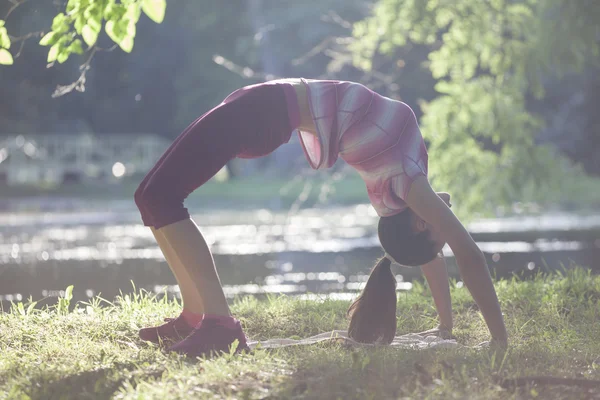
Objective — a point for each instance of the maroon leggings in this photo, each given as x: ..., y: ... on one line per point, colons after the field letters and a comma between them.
x: 250, y: 123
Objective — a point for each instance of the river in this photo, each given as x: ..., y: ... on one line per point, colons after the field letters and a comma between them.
x: 312, y: 253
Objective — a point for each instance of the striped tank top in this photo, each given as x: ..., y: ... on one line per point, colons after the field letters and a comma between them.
x: 376, y: 135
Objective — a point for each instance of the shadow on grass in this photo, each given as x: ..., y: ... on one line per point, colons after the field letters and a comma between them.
x: 336, y: 372
x: 325, y: 371
x: 100, y: 383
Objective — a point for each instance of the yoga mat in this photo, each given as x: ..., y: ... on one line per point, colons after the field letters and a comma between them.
x: 408, y: 341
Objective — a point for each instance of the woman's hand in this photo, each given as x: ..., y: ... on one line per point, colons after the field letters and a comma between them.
x: 440, y: 332
x: 436, y: 274
x: 493, y: 345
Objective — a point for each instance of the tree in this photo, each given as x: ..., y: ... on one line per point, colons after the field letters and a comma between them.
x: 270, y: 39
x: 81, y: 22
x: 488, y: 59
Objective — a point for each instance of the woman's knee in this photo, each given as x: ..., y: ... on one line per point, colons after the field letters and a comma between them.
x: 137, y: 196
x: 146, y: 197
x: 150, y: 196
x: 140, y: 202
x: 160, y: 206
x: 155, y: 196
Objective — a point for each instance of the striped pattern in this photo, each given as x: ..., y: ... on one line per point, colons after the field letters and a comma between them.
x: 378, y: 136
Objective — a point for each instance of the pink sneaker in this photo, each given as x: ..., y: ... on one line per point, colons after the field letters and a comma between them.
x: 173, y: 331
x: 210, y: 338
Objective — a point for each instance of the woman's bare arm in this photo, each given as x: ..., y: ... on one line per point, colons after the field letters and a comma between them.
x: 471, y: 262
x: 436, y: 274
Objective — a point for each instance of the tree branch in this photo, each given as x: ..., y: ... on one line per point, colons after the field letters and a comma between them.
x: 79, y: 84
x: 244, y: 72
x: 111, y: 48
x: 15, y: 4
x: 313, y: 52
x: 23, y: 39
x: 334, y: 17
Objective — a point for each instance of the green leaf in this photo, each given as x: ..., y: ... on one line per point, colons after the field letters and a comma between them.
x: 5, y: 57
x: 69, y: 293
x: 110, y: 29
x: 49, y: 38
x: 75, y: 47
x: 155, y: 9
x: 519, y: 10
x: 233, y: 347
x: 109, y: 10
x: 79, y: 24
x: 1, y: 22
x: 53, y: 53
x: 127, y: 44
x: 130, y: 29
x: 133, y: 12
x: 443, y: 17
x: 4, y: 38
x: 64, y: 40
x: 95, y: 24
x: 73, y: 6
x: 31, y: 307
x: 117, y: 30
x: 90, y: 36
x: 122, y: 28
x: 445, y: 87
x: 118, y: 11
x: 92, y: 10
x: 60, y: 23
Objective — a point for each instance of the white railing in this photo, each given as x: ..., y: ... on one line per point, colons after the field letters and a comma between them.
x: 54, y: 158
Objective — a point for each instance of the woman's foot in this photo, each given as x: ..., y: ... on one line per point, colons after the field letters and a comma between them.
x: 173, y: 331
x: 212, y: 337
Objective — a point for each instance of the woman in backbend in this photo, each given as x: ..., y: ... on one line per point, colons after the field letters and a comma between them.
x: 377, y: 136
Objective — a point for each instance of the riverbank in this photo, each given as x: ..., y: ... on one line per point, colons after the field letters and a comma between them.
x: 245, y: 193
x: 308, y: 188
x: 92, y: 351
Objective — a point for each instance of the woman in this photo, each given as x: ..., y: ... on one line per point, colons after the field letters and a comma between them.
x: 377, y: 136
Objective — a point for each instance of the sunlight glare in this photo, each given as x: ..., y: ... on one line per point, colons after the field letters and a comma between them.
x: 118, y: 169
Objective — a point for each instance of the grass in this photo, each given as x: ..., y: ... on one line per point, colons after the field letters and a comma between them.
x: 91, y: 350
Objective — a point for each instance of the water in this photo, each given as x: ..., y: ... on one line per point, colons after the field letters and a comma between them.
x: 314, y: 252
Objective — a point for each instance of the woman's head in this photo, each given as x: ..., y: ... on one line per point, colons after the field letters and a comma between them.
x: 408, y: 239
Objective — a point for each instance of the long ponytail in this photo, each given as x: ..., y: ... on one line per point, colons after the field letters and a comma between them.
x: 373, y: 313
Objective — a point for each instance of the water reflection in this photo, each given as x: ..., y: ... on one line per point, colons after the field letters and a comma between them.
x: 331, y: 285
x: 324, y: 252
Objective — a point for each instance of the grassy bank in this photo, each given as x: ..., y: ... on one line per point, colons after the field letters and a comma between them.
x: 248, y: 192
x: 92, y: 351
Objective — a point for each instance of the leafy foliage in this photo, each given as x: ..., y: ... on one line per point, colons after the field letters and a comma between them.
x: 5, y: 57
x: 82, y: 22
x: 488, y: 58
x: 473, y: 67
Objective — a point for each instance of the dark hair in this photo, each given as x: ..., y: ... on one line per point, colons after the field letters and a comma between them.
x: 406, y: 247
x: 373, y: 313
